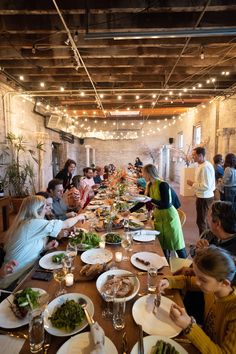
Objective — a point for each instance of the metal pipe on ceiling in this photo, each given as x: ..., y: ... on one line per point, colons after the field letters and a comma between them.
x: 175, y: 33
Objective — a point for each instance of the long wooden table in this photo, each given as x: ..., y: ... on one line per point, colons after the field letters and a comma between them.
x: 89, y: 288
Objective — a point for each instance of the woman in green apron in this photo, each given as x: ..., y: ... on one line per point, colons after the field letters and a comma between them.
x: 166, y: 218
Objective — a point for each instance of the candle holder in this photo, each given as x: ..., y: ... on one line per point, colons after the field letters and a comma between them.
x: 69, y: 279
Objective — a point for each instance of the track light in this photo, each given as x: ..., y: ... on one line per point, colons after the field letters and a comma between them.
x: 202, y: 55
x: 33, y: 49
x: 76, y: 36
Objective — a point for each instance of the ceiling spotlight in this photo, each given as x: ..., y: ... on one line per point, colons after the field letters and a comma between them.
x: 227, y: 73
x: 180, y: 94
x: 33, y: 50
x: 208, y: 81
x: 213, y: 79
x: 154, y: 96
x: 42, y: 84
x: 62, y: 89
x: 153, y: 103
x: 194, y: 87
x: 67, y: 42
x: 21, y: 77
x: 137, y: 97
x: 185, y: 90
x: 199, y: 85
x: 119, y: 97
x: 170, y: 93
x: 82, y: 93
x: 166, y: 98
x: 101, y: 95
x: 140, y: 106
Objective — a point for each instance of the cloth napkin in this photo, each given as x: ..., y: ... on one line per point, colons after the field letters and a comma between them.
x: 10, y: 344
x: 98, y: 338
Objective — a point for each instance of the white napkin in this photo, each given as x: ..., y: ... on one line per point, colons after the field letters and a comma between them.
x: 10, y: 344
x: 98, y: 338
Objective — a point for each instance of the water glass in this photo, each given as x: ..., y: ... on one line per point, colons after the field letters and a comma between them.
x: 119, y: 314
x: 152, y: 278
x: 36, y: 330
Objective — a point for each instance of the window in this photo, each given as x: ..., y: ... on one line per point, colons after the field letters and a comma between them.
x: 180, y: 140
x: 197, y: 135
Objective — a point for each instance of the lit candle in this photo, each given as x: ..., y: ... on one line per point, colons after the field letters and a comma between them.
x: 102, y: 242
x: 69, y: 279
x: 118, y: 256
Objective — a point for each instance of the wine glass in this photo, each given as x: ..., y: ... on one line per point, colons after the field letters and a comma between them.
x: 109, y: 296
x: 59, y: 275
x: 126, y: 243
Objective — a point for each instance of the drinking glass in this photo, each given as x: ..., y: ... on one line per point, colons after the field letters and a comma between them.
x: 126, y: 224
x: 71, y: 252
x: 152, y: 278
x: 36, y: 330
x: 118, y: 318
x: 126, y: 243
x: 59, y: 276
x: 107, y: 311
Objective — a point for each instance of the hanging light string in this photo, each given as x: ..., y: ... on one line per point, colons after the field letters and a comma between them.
x: 78, y: 57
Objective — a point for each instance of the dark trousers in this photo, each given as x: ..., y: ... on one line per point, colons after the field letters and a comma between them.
x: 202, y: 207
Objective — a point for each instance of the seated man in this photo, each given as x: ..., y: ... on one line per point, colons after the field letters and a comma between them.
x: 60, y: 209
x: 89, y: 181
x: 222, y: 223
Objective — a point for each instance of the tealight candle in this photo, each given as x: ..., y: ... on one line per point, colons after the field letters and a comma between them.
x: 69, y: 279
x: 118, y: 256
x: 102, y: 242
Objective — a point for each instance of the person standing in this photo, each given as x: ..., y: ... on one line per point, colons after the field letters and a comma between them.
x: 65, y: 174
x: 204, y: 185
x: 229, y: 178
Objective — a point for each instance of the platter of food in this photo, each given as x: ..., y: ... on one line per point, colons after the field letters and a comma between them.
x: 159, y: 344
x: 52, y: 260
x: 85, y: 240
x: 14, y: 309
x: 112, y: 238
x: 135, y: 225
x: 64, y: 315
x: 143, y: 260
x: 126, y: 284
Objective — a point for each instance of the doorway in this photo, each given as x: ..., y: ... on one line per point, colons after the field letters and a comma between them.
x: 55, y: 158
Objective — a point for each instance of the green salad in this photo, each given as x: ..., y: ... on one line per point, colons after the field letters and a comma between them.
x: 162, y: 347
x: 27, y: 296
x: 112, y: 237
x: 88, y: 239
x: 68, y: 316
x: 57, y: 258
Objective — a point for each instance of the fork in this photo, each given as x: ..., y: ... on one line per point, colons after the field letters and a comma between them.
x: 156, y: 303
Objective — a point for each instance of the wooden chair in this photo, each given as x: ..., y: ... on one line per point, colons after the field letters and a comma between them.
x: 182, y: 217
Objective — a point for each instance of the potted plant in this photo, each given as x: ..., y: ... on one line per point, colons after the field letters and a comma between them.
x: 19, y: 175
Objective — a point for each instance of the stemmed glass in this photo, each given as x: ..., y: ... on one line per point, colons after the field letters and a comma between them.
x: 126, y: 243
x: 59, y: 275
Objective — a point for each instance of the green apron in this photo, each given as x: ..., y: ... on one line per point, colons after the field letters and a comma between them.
x: 167, y: 222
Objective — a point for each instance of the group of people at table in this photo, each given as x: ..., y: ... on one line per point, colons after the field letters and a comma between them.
x: 53, y: 212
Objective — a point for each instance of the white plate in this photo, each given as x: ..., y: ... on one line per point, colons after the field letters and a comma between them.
x: 150, y: 341
x: 47, y: 263
x: 153, y: 258
x: 58, y: 301
x: 81, y: 344
x: 143, y: 199
x: 103, y: 278
x: 142, y: 237
x: 7, y: 317
x: 96, y: 256
x: 159, y: 324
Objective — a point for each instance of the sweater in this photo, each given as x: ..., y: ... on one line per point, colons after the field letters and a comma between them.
x: 218, y: 335
x: 204, y: 183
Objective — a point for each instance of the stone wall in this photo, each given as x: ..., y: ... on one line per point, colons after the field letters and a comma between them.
x: 17, y: 116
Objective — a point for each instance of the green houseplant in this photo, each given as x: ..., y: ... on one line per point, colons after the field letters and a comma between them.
x: 20, y: 175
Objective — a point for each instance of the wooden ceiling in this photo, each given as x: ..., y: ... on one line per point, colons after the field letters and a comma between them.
x: 165, y: 73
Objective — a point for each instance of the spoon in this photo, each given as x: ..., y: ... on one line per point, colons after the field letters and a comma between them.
x: 83, y: 304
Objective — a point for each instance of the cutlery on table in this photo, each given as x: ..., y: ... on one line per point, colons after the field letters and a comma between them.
x: 140, y: 340
x: 156, y: 303
x: 16, y: 335
x: 124, y: 344
x: 83, y: 304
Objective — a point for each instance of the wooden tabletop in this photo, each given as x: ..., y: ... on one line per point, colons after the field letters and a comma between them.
x: 89, y: 288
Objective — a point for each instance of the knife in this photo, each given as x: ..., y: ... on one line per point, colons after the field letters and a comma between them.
x: 140, y: 340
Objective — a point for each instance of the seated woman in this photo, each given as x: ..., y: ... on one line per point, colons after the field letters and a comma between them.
x: 77, y: 196
x: 215, y: 276
x: 27, y: 237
